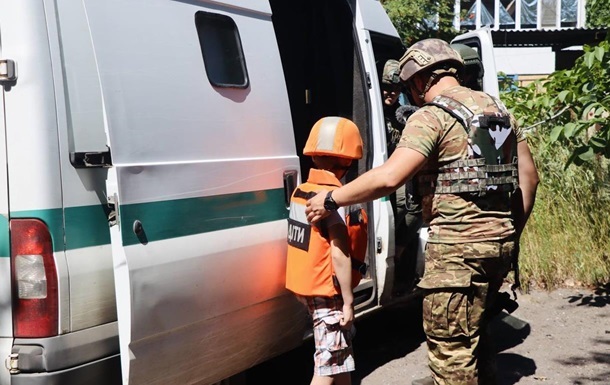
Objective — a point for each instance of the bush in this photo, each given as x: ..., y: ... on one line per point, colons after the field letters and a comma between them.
x: 565, y: 118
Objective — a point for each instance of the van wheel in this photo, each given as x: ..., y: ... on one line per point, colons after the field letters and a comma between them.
x: 238, y: 379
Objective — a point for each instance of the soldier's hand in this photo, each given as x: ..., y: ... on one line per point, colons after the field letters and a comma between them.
x: 314, y: 209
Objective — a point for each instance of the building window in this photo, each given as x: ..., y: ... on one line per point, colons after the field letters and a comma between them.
x: 223, y: 56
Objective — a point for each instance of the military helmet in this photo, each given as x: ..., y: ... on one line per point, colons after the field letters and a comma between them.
x: 334, y: 136
x: 391, y: 73
x: 426, y: 54
x: 471, y: 58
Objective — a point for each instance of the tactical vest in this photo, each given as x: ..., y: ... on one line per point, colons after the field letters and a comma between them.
x: 309, y: 267
x: 490, y: 165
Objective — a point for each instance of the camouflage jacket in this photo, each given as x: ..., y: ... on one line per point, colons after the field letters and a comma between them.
x: 442, y: 139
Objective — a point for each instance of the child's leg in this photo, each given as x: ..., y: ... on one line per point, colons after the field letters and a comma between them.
x: 337, y: 379
x: 333, y: 358
x: 342, y: 379
x: 321, y: 380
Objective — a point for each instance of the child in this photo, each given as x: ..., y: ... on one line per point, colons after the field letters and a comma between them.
x: 320, y: 257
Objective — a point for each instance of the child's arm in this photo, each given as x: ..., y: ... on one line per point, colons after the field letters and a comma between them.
x: 342, y: 264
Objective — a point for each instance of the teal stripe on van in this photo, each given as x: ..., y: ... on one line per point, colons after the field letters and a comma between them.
x: 4, y: 242
x: 178, y: 218
x: 86, y: 226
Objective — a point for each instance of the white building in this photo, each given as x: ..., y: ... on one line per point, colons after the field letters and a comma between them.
x: 532, y: 38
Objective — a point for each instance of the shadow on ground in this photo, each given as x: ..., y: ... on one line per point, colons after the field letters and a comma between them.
x: 599, y: 298
x: 380, y: 338
x: 598, y: 357
x: 391, y: 334
x: 510, y: 331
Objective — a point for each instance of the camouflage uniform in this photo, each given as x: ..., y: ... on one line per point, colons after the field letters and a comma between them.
x: 469, y: 248
x: 390, y: 79
x: 407, y: 209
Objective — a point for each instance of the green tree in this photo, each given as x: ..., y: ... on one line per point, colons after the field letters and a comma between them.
x: 419, y: 19
x: 573, y: 105
x: 598, y: 13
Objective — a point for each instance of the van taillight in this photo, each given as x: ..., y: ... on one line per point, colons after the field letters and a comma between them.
x: 35, y: 309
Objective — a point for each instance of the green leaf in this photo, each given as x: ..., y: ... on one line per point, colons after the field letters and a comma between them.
x: 597, y: 143
x: 589, y: 59
x: 562, y: 96
x: 588, y: 87
x: 599, y: 54
x: 569, y: 130
x: 588, y: 108
x: 555, y: 133
x: 588, y: 155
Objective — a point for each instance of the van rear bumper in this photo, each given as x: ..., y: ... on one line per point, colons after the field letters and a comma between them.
x: 106, y: 371
x: 92, y: 353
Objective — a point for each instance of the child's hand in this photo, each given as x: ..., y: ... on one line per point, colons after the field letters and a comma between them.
x: 348, y: 317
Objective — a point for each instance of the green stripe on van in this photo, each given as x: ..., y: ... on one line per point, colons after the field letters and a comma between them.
x: 85, y: 226
x: 178, y: 218
x: 4, y: 242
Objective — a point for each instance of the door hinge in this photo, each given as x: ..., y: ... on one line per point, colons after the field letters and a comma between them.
x: 368, y: 81
x: 91, y: 159
x: 12, y: 363
x: 111, y: 210
x: 379, y: 245
x: 8, y: 70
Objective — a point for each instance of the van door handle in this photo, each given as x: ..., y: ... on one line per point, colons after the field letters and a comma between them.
x: 290, y: 183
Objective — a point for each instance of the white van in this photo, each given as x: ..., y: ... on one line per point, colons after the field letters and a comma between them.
x: 148, y: 149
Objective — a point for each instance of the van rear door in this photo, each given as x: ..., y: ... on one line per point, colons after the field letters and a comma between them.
x: 378, y: 41
x: 203, y: 157
x: 6, y: 317
x: 482, y: 42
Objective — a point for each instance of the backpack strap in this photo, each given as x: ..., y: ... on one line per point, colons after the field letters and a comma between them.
x: 455, y: 109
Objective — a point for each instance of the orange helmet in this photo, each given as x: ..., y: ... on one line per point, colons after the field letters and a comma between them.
x: 334, y: 136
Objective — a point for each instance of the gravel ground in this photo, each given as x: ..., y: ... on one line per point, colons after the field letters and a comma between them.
x: 554, y: 338
x: 560, y: 337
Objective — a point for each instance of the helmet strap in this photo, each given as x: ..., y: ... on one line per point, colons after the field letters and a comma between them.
x: 436, y: 75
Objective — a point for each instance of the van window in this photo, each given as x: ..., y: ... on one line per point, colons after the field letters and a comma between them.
x: 223, y: 56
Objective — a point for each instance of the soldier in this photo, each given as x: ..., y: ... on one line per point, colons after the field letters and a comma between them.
x: 406, y: 206
x: 478, y: 180
x: 390, y: 89
x: 472, y: 76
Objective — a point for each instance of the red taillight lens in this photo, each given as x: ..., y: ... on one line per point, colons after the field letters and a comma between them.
x: 35, y: 310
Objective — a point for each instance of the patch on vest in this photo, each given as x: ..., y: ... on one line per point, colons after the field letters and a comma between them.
x: 298, y: 234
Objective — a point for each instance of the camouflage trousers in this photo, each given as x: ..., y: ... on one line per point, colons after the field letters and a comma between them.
x: 461, y: 281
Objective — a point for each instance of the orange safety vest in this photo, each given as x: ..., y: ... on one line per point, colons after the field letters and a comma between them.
x: 309, y: 267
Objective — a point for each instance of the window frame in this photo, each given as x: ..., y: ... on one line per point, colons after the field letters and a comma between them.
x: 200, y: 18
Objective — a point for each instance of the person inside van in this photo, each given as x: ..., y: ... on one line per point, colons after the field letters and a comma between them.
x: 405, y: 204
x: 321, y: 257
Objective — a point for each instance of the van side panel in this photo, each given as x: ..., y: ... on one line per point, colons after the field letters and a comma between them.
x: 197, y: 178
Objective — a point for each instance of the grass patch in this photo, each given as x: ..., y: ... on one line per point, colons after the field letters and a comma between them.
x: 567, y: 239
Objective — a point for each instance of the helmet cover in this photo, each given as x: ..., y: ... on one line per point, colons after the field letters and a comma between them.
x: 391, y: 73
x: 426, y: 54
x: 334, y: 136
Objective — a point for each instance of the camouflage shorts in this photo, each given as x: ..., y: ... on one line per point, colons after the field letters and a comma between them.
x: 334, y: 353
x: 460, y: 282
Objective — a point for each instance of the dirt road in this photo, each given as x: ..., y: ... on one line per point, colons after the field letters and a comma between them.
x: 556, y: 338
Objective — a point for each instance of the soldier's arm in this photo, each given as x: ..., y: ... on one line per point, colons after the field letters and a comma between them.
x: 528, y: 184
x: 375, y: 183
x: 342, y: 264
